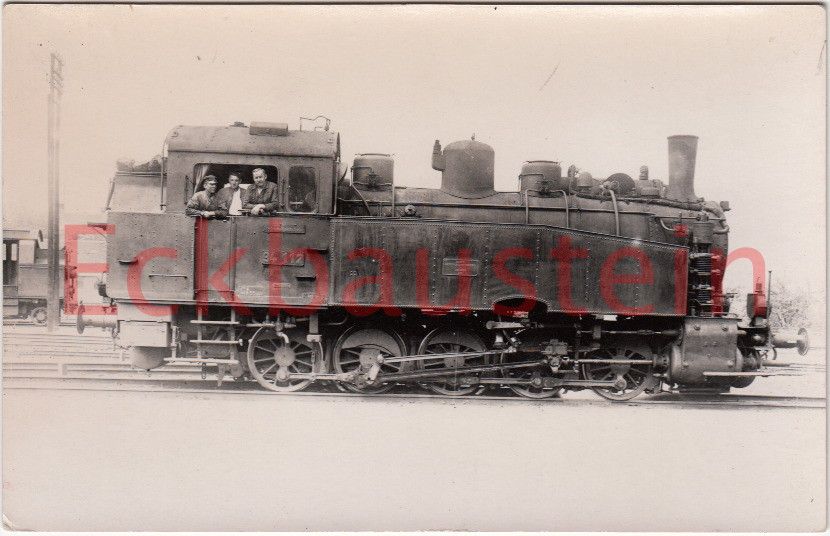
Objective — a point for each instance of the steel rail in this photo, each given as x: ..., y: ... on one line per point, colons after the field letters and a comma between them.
x: 726, y: 401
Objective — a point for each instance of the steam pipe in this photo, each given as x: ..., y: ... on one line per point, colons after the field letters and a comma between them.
x: 663, y: 225
x: 724, y: 230
x: 616, y: 210
x: 336, y: 187
x: 163, y: 181
x: 393, y: 196
x: 567, y: 207
x: 368, y: 210
x: 111, y: 192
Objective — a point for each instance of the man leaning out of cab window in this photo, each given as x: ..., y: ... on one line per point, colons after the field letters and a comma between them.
x: 261, y: 198
x: 205, y: 203
x: 231, y: 194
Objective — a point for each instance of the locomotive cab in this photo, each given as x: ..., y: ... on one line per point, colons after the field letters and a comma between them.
x: 302, y: 164
x: 159, y: 257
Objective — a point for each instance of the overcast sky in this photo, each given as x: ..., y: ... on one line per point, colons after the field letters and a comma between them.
x: 750, y: 81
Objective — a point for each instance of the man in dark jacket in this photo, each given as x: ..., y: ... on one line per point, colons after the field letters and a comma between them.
x: 262, y: 197
x: 205, y: 203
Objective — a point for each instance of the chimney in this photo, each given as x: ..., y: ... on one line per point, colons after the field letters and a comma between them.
x: 682, y: 155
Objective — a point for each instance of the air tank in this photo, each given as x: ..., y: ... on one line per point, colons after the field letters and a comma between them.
x: 542, y: 177
x: 466, y: 168
x: 621, y: 183
x: 372, y: 171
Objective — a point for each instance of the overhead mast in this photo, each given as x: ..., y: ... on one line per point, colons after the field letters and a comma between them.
x: 53, y: 149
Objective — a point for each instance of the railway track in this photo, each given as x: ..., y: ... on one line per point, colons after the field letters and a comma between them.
x: 178, y: 385
x: 17, y: 341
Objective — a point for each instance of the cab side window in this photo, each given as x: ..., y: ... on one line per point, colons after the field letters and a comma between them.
x: 222, y: 172
x: 302, y: 189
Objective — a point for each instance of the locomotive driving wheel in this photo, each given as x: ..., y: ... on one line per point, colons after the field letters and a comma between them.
x: 273, y: 356
x: 634, y: 377
x: 535, y: 375
x: 360, y: 347
x: 452, y: 341
x: 755, y: 355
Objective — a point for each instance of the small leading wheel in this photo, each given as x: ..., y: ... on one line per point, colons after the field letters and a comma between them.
x: 360, y: 346
x: 273, y: 356
x: 449, y: 341
x: 635, y: 376
x: 742, y: 382
x: 754, y: 359
x: 38, y: 315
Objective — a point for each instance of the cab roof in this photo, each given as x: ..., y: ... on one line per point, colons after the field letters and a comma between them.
x: 258, y: 139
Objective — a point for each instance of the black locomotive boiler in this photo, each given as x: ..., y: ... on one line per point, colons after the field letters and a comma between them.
x: 569, y: 283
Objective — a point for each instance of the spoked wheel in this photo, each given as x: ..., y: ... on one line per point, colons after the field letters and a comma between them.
x: 535, y: 375
x: 39, y: 315
x: 272, y: 356
x: 448, y: 341
x: 361, y: 346
x: 635, y: 376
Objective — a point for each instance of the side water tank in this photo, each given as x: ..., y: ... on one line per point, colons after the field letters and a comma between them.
x: 373, y: 171
x: 542, y: 177
x: 466, y: 168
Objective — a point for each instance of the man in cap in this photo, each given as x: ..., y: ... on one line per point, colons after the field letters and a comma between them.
x: 205, y: 203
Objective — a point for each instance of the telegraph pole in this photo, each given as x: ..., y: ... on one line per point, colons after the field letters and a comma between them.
x: 53, y: 308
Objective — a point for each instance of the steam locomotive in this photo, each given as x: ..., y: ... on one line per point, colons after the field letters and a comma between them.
x: 569, y: 283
